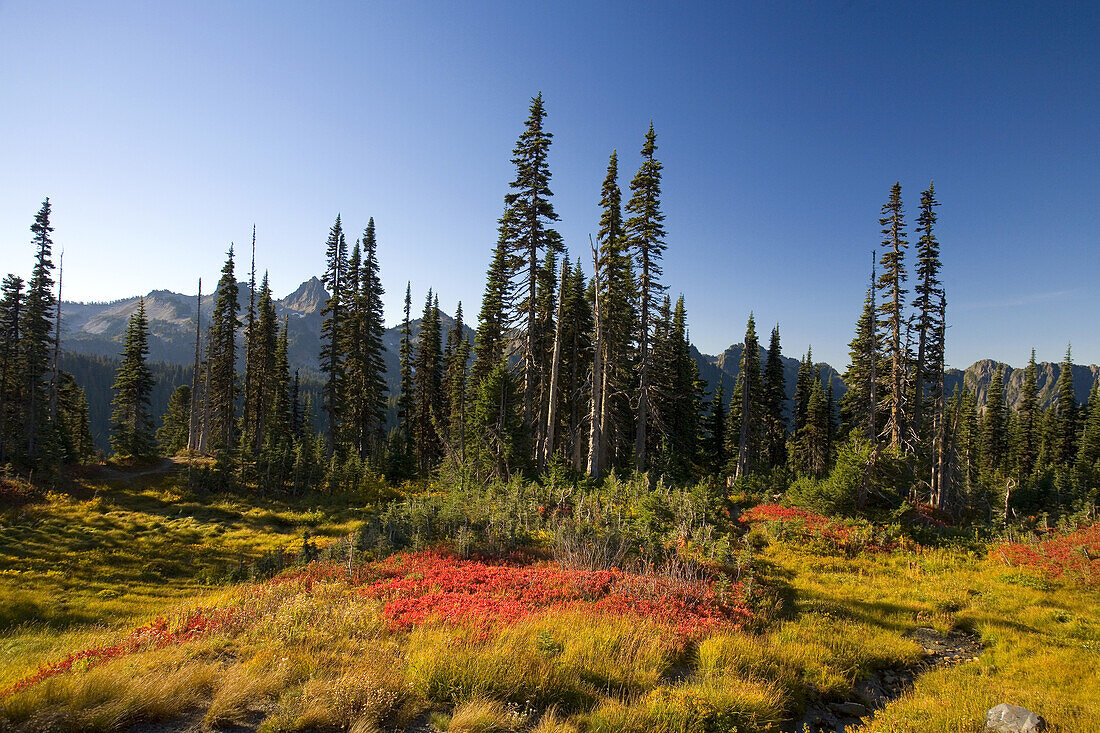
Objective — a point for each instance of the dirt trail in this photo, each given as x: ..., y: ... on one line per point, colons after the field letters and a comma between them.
x: 886, y: 685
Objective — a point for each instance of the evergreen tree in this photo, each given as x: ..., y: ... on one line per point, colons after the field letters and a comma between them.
x: 35, y: 337
x: 405, y: 400
x: 131, y: 424
x: 618, y: 327
x: 265, y: 355
x: 994, y: 423
x: 373, y: 397
x: 492, y: 330
x: 811, y: 442
x: 456, y: 355
x: 927, y: 303
x: 716, y: 432
x: 532, y: 240
x: 172, y: 435
x: 281, y: 421
x: 501, y: 439
x: 645, y: 234
x: 221, y: 357
x: 428, y: 394
x: 775, y: 396
x: 749, y: 395
x: 1066, y: 425
x: 892, y: 318
x: 576, y: 356
x: 332, y: 363
x: 550, y: 400
x: 661, y: 377
x: 351, y: 420
x: 11, y: 376
x: 74, y: 426
x: 1030, y: 422
x: 252, y: 381
x: 803, y: 386
x: 1088, y: 452
x: 858, y: 406
x: 681, y: 421
x: 546, y: 336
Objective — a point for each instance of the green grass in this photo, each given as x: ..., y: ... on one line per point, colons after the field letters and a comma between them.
x: 110, y: 553
x: 79, y: 569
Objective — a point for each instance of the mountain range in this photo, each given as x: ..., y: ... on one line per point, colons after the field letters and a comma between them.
x: 99, y: 328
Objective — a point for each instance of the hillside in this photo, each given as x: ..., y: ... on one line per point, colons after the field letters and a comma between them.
x: 97, y: 329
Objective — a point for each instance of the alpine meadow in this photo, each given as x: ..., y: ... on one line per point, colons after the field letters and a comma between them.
x: 226, y: 510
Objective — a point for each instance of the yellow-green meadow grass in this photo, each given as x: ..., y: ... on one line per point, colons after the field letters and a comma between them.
x: 314, y: 654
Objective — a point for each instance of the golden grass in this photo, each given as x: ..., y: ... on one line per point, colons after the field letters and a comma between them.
x: 483, y: 715
x: 157, y: 686
x: 565, y: 660
x: 108, y: 555
x: 320, y: 656
x: 1042, y: 646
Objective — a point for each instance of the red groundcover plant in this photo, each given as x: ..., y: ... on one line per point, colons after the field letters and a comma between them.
x: 1075, y: 555
x: 814, y: 528
x: 154, y: 635
x: 432, y: 587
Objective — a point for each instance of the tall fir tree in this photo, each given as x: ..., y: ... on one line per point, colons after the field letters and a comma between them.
x: 373, y: 398
x: 993, y: 429
x: 618, y: 328
x: 775, y: 398
x: 428, y: 389
x: 859, y: 405
x: 716, y: 432
x: 811, y: 442
x: 267, y: 348
x: 1088, y: 450
x: 891, y: 318
x: 132, y: 434
x: 1066, y: 425
x: 645, y: 232
x: 748, y: 393
x: 11, y: 371
x: 803, y: 386
x: 456, y: 355
x: 535, y: 245
x: 172, y: 434
x: 332, y: 363
x: 221, y: 356
x: 490, y: 341
x: 576, y: 355
x: 36, y: 338
x: 280, y: 422
x: 1030, y: 422
x: 405, y: 400
x: 252, y: 380
x: 927, y: 304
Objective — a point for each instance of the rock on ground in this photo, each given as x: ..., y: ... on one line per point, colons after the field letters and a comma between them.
x: 1007, y: 718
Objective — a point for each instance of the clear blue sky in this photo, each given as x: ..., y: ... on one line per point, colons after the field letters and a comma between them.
x: 162, y: 131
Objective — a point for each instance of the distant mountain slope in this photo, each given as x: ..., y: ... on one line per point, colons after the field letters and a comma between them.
x: 728, y: 363
x: 978, y: 376
x: 97, y: 329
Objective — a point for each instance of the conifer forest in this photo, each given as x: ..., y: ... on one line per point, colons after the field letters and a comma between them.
x: 546, y: 511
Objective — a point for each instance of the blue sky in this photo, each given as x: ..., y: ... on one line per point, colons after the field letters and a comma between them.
x: 163, y: 131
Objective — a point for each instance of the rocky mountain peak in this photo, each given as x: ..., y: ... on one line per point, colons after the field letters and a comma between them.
x: 310, y: 297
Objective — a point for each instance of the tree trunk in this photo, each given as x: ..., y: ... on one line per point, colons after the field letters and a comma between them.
x: 555, y: 367
x: 194, y: 426
x: 595, y: 436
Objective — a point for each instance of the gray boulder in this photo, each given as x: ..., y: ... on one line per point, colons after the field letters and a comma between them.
x: 1007, y: 718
